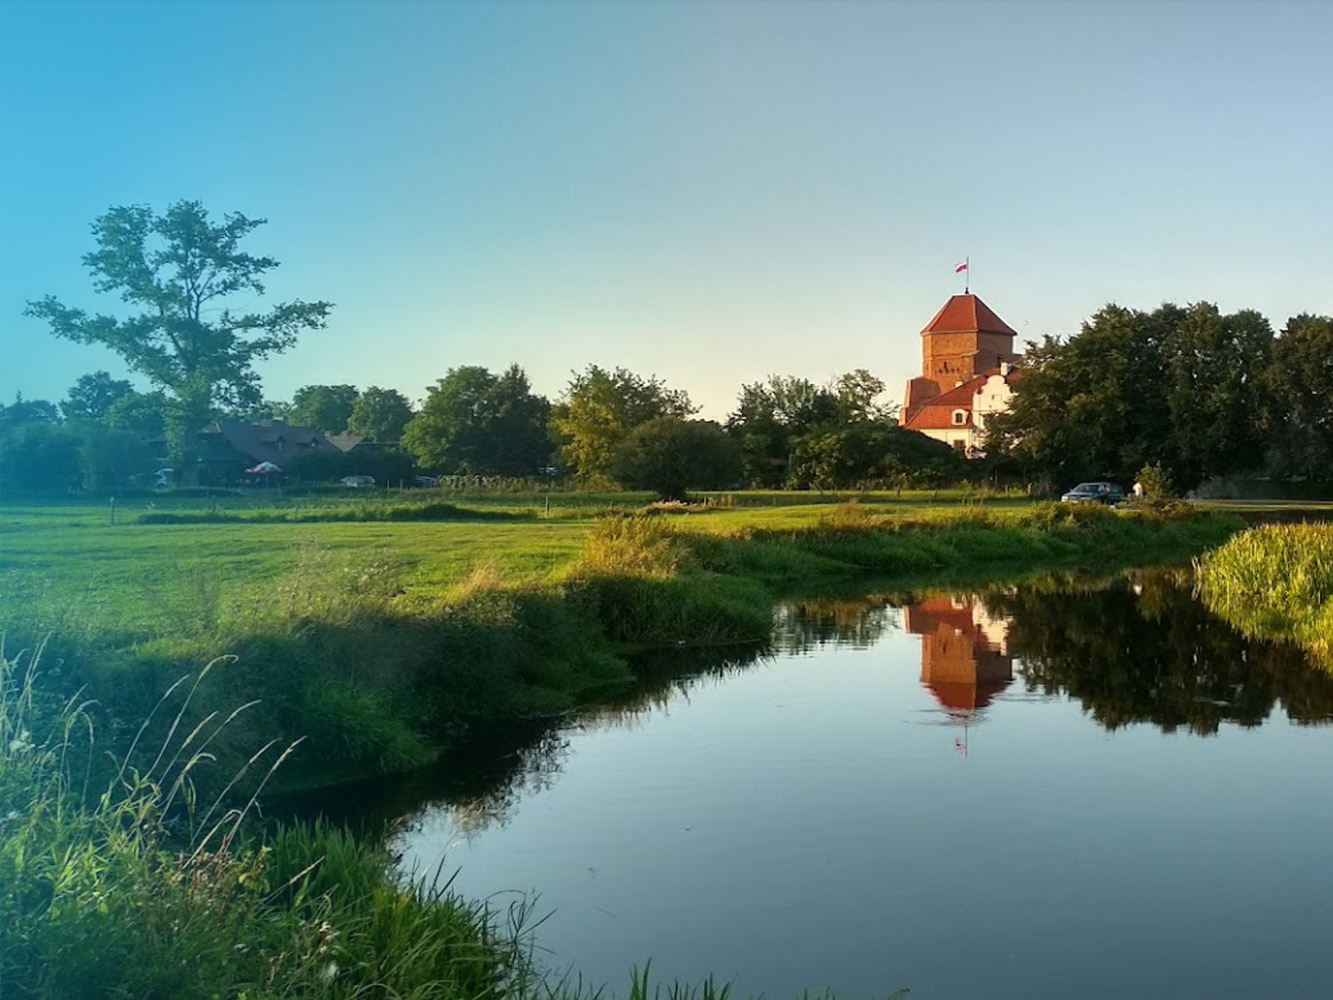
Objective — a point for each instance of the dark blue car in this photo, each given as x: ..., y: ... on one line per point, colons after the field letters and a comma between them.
x: 1107, y: 493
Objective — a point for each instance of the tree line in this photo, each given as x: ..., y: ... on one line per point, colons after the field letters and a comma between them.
x: 610, y: 427
x: 194, y: 333
x: 1190, y: 390
x: 1186, y: 392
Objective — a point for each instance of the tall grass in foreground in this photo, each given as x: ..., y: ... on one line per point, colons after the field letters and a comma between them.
x: 134, y: 892
x: 1275, y: 582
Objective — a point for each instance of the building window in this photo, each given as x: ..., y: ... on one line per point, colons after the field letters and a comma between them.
x: 960, y: 445
x: 959, y: 418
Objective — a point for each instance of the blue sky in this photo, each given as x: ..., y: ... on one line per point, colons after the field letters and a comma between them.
x: 708, y: 192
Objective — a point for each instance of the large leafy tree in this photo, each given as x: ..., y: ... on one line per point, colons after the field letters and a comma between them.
x: 601, y: 407
x: 1298, y: 401
x: 141, y: 412
x: 771, y: 416
x: 326, y: 408
x: 670, y: 454
x: 1094, y: 405
x: 1215, y: 365
x: 380, y: 414
x: 175, y: 271
x: 22, y: 412
x: 92, y: 396
x: 476, y: 422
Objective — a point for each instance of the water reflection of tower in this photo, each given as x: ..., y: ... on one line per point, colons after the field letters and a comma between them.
x: 965, y: 659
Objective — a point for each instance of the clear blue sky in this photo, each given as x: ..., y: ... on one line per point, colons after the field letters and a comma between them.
x: 708, y: 192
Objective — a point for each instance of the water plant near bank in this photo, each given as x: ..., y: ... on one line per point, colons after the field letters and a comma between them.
x: 1275, y: 582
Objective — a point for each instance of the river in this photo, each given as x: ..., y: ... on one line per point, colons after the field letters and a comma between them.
x: 1066, y: 788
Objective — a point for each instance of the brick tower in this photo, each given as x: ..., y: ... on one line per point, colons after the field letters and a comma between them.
x: 964, y: 339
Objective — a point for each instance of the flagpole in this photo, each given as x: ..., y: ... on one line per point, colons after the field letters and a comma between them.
x: 967, y: 269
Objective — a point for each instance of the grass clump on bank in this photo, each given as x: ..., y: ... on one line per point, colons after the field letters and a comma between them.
x: 1275, y: 582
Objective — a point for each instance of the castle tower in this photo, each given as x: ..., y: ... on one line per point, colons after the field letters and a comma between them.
x: 964, y: 340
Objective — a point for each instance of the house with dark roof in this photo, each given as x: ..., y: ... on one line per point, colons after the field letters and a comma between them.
x: 227, y: 448
x: 968, y: 368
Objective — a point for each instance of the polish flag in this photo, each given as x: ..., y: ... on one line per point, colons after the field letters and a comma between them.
x: 960, y: 268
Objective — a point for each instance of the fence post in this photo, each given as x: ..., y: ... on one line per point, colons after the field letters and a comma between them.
x: 113, y: 510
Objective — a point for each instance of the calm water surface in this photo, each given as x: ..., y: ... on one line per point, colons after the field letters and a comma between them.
x: 1090, y: 790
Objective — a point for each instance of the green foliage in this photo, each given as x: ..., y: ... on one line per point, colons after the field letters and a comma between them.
x: 325, y: 408
x: 1275, y: 581
x: 1155, y: 482
x: 143, y: 891
x: 1188, y: 388
x: 1214, y: 393
x: 601, y: 407
x: 669, y: 455
x: 474, y: 422
x: 92, y: 396
x: 388, y: 466
x: 1297, y: 410
x: 770, y: 416
x: 380, y: 414
x: 795, y: 433
x: 41, y: 457
x: 178, y: 268
x: 866, y: 454
x: 112, y: 458
x: 23, y: 412
x: 144, y: 413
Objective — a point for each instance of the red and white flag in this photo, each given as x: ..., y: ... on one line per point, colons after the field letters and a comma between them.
x: 960, y: 268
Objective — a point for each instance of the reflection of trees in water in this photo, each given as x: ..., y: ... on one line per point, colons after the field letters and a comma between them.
x: 1144, y: 650
x: 802, y: 626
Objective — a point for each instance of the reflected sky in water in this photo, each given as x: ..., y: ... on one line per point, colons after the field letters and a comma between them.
x: 1059, y: 790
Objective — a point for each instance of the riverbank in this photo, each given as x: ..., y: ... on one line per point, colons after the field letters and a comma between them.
x: 379, y: 642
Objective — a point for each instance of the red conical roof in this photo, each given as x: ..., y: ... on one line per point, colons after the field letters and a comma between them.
x: 967, y: 314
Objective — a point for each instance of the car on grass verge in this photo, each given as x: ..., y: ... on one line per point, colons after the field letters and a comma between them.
x: 357, y: 482
x: 1107, y: 493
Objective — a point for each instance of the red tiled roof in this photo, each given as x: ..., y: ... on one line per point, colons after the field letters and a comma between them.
x: 967, y: 314
x: 937, y: 413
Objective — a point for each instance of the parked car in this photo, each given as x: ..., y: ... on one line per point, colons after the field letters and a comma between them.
x: 426, y: 482
x: 357, y: 482
x: 1107, y: 493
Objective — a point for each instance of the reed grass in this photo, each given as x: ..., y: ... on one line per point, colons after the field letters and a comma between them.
x: 1275, y: 582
